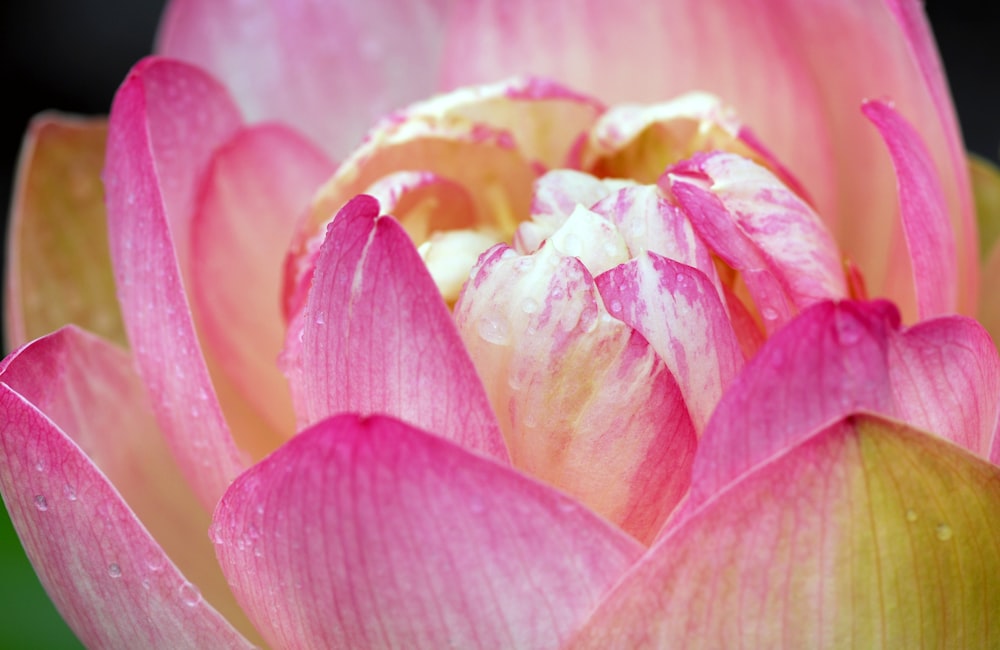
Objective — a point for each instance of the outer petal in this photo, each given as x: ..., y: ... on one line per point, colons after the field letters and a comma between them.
x: 110, y: 578
x: 929, y: 236
x: 676, y: 308
x: 375, y: 337
x: 794, y: 71
x: 165, y: 121
x: 329, y: 68
x: 842, y: 358
x: 58, y: 264
x: 372, y: 534
x: 868, y: 535
x: 259, y: 184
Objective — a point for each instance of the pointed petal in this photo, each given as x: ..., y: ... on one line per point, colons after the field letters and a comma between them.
x: 58, y: 264
x: 257, y: 187
x: 331, y: 69
x: 762, y: 229
x: 583, y: 400
x: 111, y: 579
x: 868, y: 535
x: 945, y: 374
x: 165, y: 121
x: 795, y: 72
x: 375, y: 337
x: 374, y: 534
x: 677, y: 309
x: 929, y: 235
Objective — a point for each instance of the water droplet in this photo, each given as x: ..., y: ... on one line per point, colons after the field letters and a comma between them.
x: 40, y: 466
x: 41, y: 503
x: 530, y: 421
x: 508, y: 254
x: 155, y: 562
x: 253, y: 531
x: 493, y: 329
x: 114, y: 570
x: 848, y: 329
x: 769, y: 313
x: 215, y: 534
x: 943, y: 532
x: 70, y: 492
x: 190, y: 595
x: 571, y: 245
x: 615, y: 307
x: 146, y: 583
x: 529, y: 305
x: 320, y: 318
x: 911, y: 515
x: 524, y: 264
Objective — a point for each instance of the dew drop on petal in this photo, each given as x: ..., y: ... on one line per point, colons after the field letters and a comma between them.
x: 848, y: 329
x: 41, y: 502
x: 529, y: 305
x: 493, y: 329
x: 40, y: 466
x: 769, y: 313
x: 615, y: 307
x: 190, y: 594
x: 943, y: 532
x: 70, y: 492
x: 155, y: 562
x: 114, y: 570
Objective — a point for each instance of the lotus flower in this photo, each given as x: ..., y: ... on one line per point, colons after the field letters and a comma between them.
x: 566, y: 359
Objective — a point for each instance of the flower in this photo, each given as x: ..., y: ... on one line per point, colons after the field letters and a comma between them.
x: 743, y: 449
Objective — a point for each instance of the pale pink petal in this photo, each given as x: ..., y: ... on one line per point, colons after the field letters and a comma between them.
x: 58, y: 266
x: 376, y: 337
x: 945, y: 373
x: 867, y: 535
x: 584, y: 402
x: 108, y: 575
x: 677, y: 309
x: 761, y: 228
x: 259, y: 184
x: 371, y: 534
x: 929, y: 235
x: 330, y: 69
x: 165, y: 121
x: 91, y: 392
x: 795, y: 72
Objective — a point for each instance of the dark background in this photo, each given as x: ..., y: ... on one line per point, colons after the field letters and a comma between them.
x: 72, y: 54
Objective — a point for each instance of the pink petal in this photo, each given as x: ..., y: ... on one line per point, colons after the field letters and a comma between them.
x: 118, y: 539
x: 795, y: 72
x: 259, y: 183
x: 372, y: 534
x: 867, y: 535
x: 945, y: 374
x: 842, y: 358
x: 678, y: 310
x: 165, y: 122
x: 761, y: 228
x: 584, y: 402
x: 331, y: 69
x: 58, y: 264
x: 375, y: 337
x: 929, y: 235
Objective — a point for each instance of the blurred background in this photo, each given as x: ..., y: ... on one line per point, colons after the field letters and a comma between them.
x: 71, y: 55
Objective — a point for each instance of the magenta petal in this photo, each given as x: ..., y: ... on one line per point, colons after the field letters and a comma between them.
x: 376, y: 337
x: 166, y: 119
x: 371, y: 534
x: 110, y: 579
x: 827, y: 363
x: 946, y: 377
x: 258, y: 185
x: 331, y: 69
x: 678, y: 310
x: 928, y: 229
